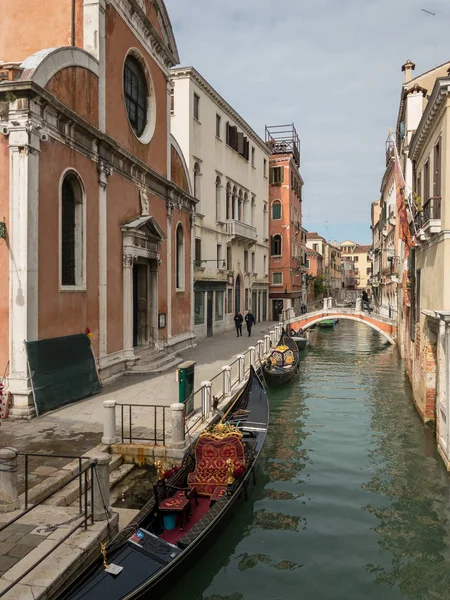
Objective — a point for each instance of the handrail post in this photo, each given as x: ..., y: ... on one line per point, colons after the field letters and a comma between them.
x: 259, y: 350
x: 226, y: 375
x: 266, y: 344
x: 252, y: 355
x: 241, y: 367
x: 206, y: 398
x: 101, y: 507
x: 325, y: 303
x: 109, y: 423
x: 178, y: 439
x: 9, y: 494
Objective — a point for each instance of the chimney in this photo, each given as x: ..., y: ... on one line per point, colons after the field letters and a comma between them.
x: 408, y: 68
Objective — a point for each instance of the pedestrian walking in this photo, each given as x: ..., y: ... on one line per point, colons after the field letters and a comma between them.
x: 238, y: 319
x: 250, y: 321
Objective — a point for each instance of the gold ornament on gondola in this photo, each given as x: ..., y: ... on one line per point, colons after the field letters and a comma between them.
x: 159, y: 470
x: 222, y: 430
x: 230, y: 471
x: 281, y: 356
x: 103, y: 551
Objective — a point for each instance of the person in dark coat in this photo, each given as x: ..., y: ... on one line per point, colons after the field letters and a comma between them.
x: 365, y: 301
x: 250, y: 321
x: 238, y: 319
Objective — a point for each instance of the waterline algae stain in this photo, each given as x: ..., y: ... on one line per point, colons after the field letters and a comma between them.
x: 351, y: 500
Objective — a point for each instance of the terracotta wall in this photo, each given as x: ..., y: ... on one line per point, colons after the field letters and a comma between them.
x: 4, y: 256
x: 65, y: 313
x: 181, y: 301
x: 41, y: 25
x: 77, y: 88
x: 119, y: 40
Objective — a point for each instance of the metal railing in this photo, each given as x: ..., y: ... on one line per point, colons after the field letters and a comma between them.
x: 158, y: 417
x: 84, y: 517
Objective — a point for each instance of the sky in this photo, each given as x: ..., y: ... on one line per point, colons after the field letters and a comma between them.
x: 332, y: 67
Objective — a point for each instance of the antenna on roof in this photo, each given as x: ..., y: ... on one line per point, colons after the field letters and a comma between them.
x: 428, y: 12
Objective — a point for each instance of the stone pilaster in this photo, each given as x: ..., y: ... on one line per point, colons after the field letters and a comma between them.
x: 104, y: 171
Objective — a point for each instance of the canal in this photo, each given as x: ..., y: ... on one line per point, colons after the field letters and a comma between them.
x: 351, y: 501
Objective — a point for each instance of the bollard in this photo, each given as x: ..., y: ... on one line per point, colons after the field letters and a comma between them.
x: 241, y: 367
x: 178, y: 439
x: 206, y: 397
x: 9, y: 495
x: 252, y: 355
x: 358, y: 304
x: 266, y: 344
x: 100, y: 474
x: 226, y: 374
x: 272, y: 337
x: 109, y: 423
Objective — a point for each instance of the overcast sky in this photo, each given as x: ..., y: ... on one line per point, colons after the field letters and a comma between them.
x: 333, y: 67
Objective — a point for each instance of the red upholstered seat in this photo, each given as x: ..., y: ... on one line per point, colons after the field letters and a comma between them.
x: 174, y: 504
x: 211, y: 455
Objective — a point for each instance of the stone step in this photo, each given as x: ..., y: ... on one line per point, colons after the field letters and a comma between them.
x: 164, y: 363
x: 148, y: 356
x: 70, y: 493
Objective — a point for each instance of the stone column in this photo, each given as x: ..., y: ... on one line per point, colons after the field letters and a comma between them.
x: 9, y: 495
x: 178, y: 425
x: 128, y: 262
x: 101, y: 486
x: 241, y: 366
x: 266, y: 344
x: 109, y: 423
x: 358, y: 304
x: 153, y: 284
x: 105, y: 171
x: 226, y: 374
x: 170, y: 207
x: 206, y: 397
x: 23, y: 246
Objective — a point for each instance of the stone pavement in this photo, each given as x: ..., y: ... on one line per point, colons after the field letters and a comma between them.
x: 77, y: 428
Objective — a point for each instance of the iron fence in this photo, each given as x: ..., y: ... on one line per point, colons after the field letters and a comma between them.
x: 85, y: 476
x: 132, y: 417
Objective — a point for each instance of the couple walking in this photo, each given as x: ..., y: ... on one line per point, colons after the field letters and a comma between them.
x: 249, y: 320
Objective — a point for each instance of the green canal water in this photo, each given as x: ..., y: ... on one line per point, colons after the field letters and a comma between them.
x: 351, y: 501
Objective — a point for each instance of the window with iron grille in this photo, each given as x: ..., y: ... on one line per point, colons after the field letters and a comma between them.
x: 68, y: 234
x: 136, y: 94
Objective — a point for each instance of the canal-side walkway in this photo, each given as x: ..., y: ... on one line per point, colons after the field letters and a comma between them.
x: 78, y: 427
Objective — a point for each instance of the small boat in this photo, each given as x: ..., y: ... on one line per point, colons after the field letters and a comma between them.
x: 327, y: 323
x: 299, y: 338
x: 282, y: 363
x: 152, y: 552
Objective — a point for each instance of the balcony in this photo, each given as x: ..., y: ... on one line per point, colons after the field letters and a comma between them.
x: 238, y: 229
x: 431, y: 215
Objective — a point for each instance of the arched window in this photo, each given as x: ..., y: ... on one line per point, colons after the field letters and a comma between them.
x: 136, y: 94
x: 72, y: 232
x: 229, y: 201
x: 276, y: 210
x: 197, y: 176
x: 241, y: 207
x: 276, y: 245
x: 246, y: 208
x: 218, y: 199
x: 179, y: 257
x: 234, y: 204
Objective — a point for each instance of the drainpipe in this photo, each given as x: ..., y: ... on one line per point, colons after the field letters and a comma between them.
x: 72, y: 42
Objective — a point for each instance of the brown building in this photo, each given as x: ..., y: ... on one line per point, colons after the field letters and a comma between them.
x: 95, y: 194
x: 285, y: 220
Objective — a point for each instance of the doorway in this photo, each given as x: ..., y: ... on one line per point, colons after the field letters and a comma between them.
x: 140, y: 305
x: 277, y: 309
x: 237, y: 301
x: 264, y: 306
x: 209, y: 314
x: 255, y: 305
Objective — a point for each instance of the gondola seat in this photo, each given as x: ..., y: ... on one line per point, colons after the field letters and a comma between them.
x: 211, y: 456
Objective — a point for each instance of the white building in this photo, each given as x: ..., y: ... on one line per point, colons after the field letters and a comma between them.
x: 228, y: 164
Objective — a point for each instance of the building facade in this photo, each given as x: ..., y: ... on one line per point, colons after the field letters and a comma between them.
x: 359, y: 255
x: 332, y: 264
x: 375, y: 252
x: 287, y: 259
x: 228, y: 166
x: 314, y: 276
x: 98, y: 211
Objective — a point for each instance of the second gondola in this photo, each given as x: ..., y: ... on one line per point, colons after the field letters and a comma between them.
x: 282, y: 363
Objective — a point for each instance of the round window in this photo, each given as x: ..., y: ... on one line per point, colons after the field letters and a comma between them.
x: 136, y: 94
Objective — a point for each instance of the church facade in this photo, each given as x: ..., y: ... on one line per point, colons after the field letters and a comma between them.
x: 95, y: 195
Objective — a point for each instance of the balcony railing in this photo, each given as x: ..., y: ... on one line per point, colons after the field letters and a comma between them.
x: 428, y: 220
x: 242, y: 230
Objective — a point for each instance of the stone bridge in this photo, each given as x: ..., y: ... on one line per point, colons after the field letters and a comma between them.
x: 387, y: 327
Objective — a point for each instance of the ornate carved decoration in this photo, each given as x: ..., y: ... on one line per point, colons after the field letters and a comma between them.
x: 145, y: 204
x: 129, y: 260
x: 105, y: 170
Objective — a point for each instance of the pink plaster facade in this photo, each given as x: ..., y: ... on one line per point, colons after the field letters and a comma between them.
x: 131, y: 198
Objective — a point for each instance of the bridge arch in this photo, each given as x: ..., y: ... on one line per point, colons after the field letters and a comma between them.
x: 306, y: 323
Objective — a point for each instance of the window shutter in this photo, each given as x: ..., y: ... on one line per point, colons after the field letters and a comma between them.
x: 272, y: 245
x: 271, y: 175
x: 281, y: 174
x: 240, y: 138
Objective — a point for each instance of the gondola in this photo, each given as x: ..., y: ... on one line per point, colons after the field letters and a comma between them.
x: 299, y: 338
x: 327, y: 323
x: 282, y: 363
x: 146, y: 558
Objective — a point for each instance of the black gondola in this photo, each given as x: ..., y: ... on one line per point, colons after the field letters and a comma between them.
x: 282, y: 366
x: 152, y: 558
